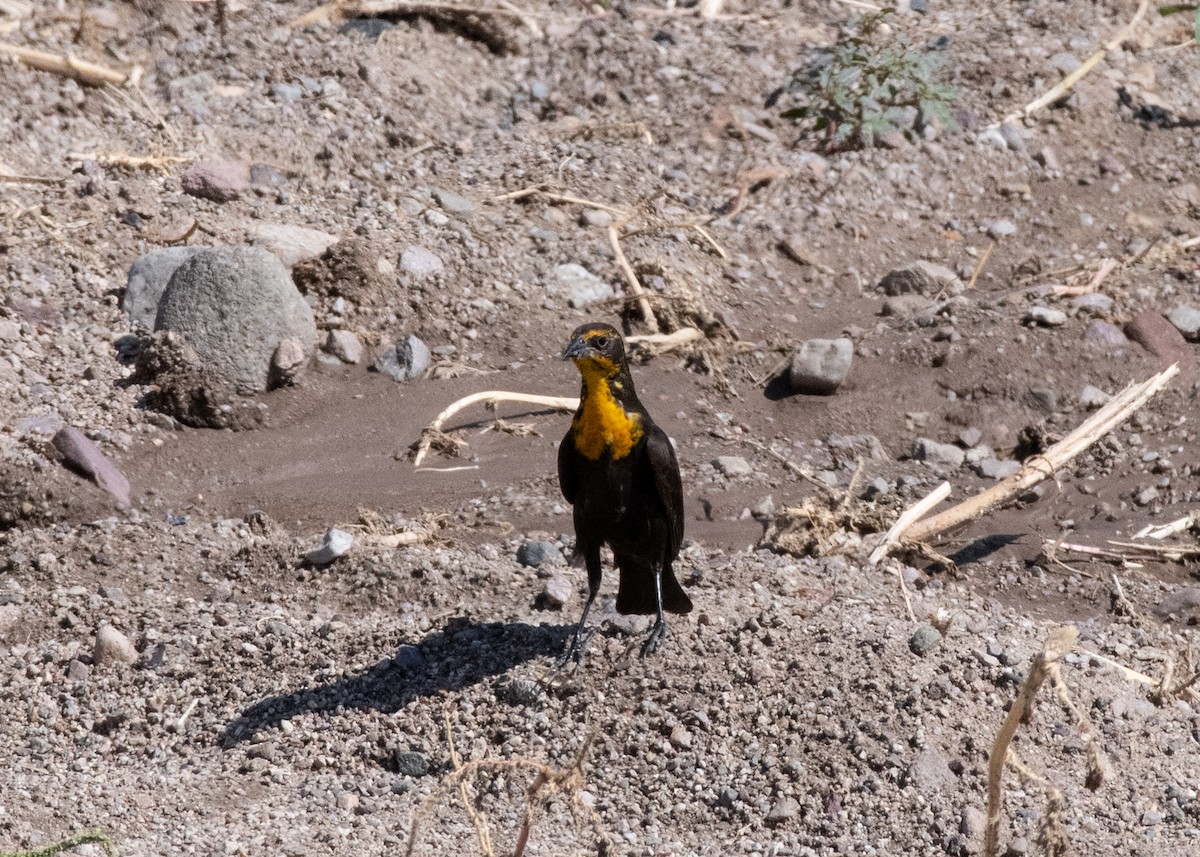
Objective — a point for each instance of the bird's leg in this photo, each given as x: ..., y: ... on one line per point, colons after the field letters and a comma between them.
x: 659, y: 632
x: 578, y: 640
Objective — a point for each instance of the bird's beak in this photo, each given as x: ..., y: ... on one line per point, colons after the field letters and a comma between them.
x: 576, y: 348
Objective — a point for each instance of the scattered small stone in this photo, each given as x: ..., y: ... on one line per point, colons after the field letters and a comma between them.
x: 1093, y: 397
x: 1065, y: 63
x: 452, y: 202
x: 347, y: 801
x: 1187, y: 321
x: 858, y: 446
x: 973, y: 824
x: 783, y: 810
x: 1043, y: 399
x: 819, y: 366
x: 292, y: 244
x: 931, y: 771
x: 113, y: 647
x: 596, y: 218
x: 335, y: 543
x: 876, y: 488
x: 1046, y: 317
x: 288, y: 362
x: 970, y: 437
x: 924, y: 639
x: 519, y: 691
x: 733, y: 466
x: 1048, y: 158
x: 979, y: 452
x: 10, y: 615
x: 408, y: 657
x: 407, y: 360
x: 558, y: 591
x: 991, y: 468
x: 1110, y: 166
x: 579, y: 285
x: 925, y: 449
x: 905, y: 306
x: 923, y: 278
x: 77, y: 670
x: 83, y: 455
x: 1001, y: 229
x: 1094, y: 303
x: 217, y: 180
x: 681, y: 738
x: 344, y: 345
x: 538, y: 552
x: 420, y: 262
x: 410, y: 763
x: 1146, y: 496
x: 1158, y: 336
x: 148, y: 278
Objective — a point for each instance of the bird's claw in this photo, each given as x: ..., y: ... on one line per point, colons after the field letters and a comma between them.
x: 657, y: 634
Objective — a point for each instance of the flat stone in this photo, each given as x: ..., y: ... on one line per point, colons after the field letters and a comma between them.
x: 335, y: 544
x: 558, y: 591
x: 993, y: 468
x: 292, y: 244
x: 1158, y: 336
x: 1187, y: 321
x: 970, y: 437
x: 1183, y: 604
x: 405, y: 361
x: 83, y: 455
x: 1046, y: 317
x: 905, y: 306
x: 288, y: 362
x: 452, y: 202
x: 1105, y: 335
x: 420, y: 262
x: 733, y: 466
x: 819, y: 366
x: 1001, y: 229
x: 931, y: 772
x: 10, y: 615
x: 218, y: 180
x: 783, y: 809
x: 411, y: 763
x: 343, y: 345
x: 113, y: 647
x: 1093, y: 397
x: 934, y: 452
x: 1094, y: 303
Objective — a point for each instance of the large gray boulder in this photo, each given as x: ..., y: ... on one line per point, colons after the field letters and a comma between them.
x: 148, y: 280
x: 234, y: 306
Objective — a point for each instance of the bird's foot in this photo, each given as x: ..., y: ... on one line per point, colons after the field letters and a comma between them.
x: 657, y: 634
x: 574, y: 652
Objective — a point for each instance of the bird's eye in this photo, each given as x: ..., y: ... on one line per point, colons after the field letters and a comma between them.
x: 600, y: 342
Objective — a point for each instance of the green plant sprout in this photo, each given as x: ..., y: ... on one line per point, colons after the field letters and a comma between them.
x: 862, y: 90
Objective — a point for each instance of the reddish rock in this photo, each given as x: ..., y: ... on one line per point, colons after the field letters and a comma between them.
x: 1152, y: 331
x: 85, y: 456
x: 218, y: 180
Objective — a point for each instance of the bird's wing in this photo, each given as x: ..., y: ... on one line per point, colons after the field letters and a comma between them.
x: 660, y: 456
x: 568, y: 469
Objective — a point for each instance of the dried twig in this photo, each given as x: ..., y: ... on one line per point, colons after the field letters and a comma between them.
x: 917, y: 511
x: 1116, y: 411
x: 491, y: 398
x: 1064, y: 86
x: 979, y: 265
x: 635, y: 285
x: 85, y: 72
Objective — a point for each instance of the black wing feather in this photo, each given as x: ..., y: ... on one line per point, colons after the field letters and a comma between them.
x: 660, y: 457
x: 568, y: 470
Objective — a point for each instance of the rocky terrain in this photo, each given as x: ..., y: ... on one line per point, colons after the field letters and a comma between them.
x: 238, y: 282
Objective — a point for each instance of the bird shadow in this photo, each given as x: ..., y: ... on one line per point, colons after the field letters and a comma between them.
x: 460, y: 655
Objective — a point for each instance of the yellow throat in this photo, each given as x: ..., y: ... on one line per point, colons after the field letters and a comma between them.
x: 601, y: 422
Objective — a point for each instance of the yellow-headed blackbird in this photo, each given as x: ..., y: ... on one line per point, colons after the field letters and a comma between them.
x: 618, y: 469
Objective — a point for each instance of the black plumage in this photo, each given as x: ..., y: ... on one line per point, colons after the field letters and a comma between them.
x: 619, y: 471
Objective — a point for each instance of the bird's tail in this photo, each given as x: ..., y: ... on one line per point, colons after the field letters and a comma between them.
x: 635, y: 593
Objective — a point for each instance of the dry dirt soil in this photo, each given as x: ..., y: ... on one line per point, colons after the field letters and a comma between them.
x: 279, y: 708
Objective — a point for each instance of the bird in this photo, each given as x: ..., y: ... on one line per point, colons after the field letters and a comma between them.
x: 619, y: 472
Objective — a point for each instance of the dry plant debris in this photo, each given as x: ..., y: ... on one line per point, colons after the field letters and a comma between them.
x: 548, y: 783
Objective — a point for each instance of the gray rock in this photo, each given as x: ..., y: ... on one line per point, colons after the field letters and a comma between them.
x: 410, y: 763
x: 970, y: 436
x: 1046, y: 317
x: 1065, y: 62
x: 1012, y: 137
x: 218, y: 180
x: 1183, y: 604
x: 1093, y: 303
x: 408, y: 657
x: 992, y: 468
x: 1043, y: 399
x: 292, y: 244
x: 1093, y: 397
x: 285, y: 93
x: 518, y: 691
x: 924, y: 640
x: 1001, y: 229
x: 335, y: 544
x: 420, y: 262
x: 558, y: 591
x: 579, y: 285
x: 973, y: 824
x: 1146, y: 496
x: 537, y: 552
x: 233, y: 307
x: 858, y: 446
x: 1187, y: 321
x: 925, y: 449
x: 1105, y: 335
x: 404, y: 361
x: 452, y: 202
x: 921, y: 278
x: 978, y: 453
x: 148, y: 278
x: 10, y: 331
x: 819, y: 366
x: 931, y: 771
x: 783, y: 809
x: 343, y: 345
x: 77, y: 670
x: 905, y: 306
x: 877, y: 487
x: 82, y: 454
x: 733, y: 466
x: 113, y: 647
